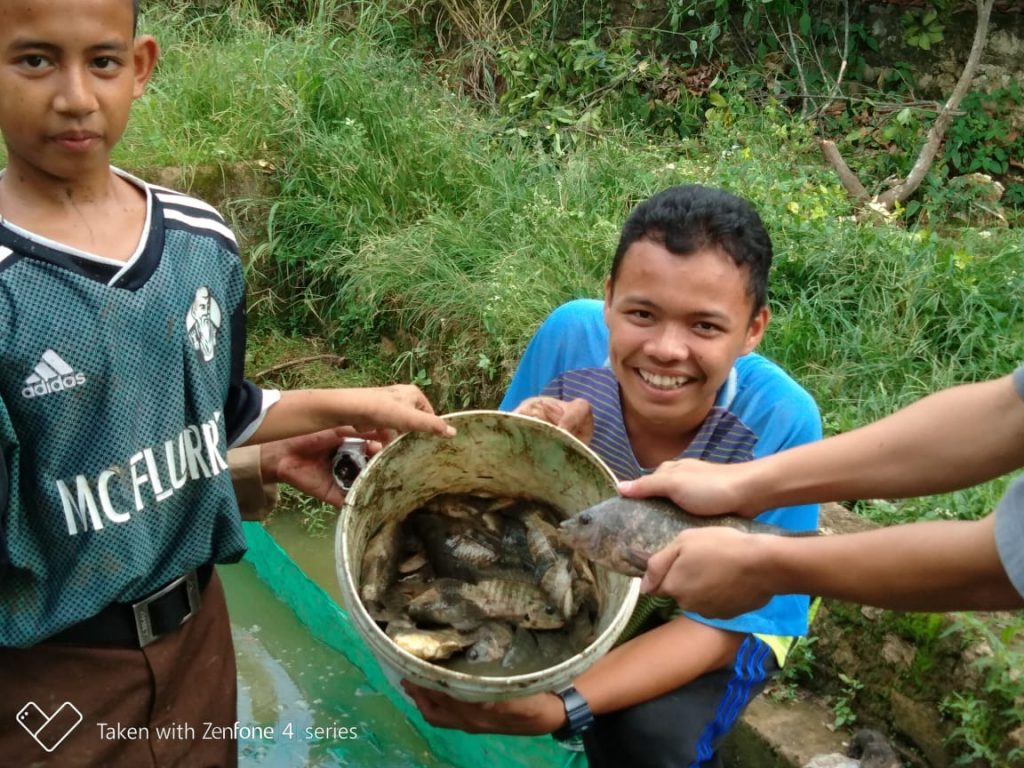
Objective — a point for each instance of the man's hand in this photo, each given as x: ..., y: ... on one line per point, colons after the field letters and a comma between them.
x: 527, y: 716
x: 713, y: 571
x: 574, y: 416
x: 699, y: 487
x: 304, y: 462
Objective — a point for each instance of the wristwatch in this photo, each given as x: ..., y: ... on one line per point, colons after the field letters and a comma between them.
x: 578, y: 714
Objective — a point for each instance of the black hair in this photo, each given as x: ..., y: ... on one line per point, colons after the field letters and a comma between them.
x: 135, y: 16
x: 692, y: 217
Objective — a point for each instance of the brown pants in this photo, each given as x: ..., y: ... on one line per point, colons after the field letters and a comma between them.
x: 154, y: 707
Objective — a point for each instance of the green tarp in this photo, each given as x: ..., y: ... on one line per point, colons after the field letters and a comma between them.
x: 330, y: 624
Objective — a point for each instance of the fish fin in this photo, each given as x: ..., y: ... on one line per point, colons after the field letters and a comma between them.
x: 637, y: 558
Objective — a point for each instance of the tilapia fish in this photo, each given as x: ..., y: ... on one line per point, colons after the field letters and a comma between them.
x: 464, y: 606
x: 458, y: 578
x: 621, y: 533
x: 428, y: 644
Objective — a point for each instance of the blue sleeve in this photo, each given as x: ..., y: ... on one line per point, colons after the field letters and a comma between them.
x: 1010, y: 533
x: 783, y: 415
x: 573, y: 336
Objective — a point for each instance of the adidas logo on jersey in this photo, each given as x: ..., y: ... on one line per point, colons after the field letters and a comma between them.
x: 51, y: 375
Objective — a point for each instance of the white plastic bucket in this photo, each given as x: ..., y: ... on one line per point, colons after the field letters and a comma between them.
x: 503, y: 454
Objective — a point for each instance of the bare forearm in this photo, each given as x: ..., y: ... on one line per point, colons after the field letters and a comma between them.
x: 304, y: 411
x: 400, y: 407
x: 654, y: 663
x: 929, y: 566
x: 952, y: 439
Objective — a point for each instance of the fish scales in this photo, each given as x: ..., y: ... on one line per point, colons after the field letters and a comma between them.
x: 621, y: 533
x: 466, y: 573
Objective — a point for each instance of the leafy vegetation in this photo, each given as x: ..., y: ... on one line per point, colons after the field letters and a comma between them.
x: 843, y: 706
x: 982, y: 722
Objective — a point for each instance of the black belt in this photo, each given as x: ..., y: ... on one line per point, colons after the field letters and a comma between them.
x: 136, y: 625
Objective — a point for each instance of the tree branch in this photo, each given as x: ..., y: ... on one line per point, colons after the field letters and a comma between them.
x: 847, y: 177
x: 337, y: 360
x: 937, y: 132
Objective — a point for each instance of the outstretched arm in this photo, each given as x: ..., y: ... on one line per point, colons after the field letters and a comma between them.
x: 928, y: 566
x: 952, y: 439
x: 948, y: 440
x: 400, y: 407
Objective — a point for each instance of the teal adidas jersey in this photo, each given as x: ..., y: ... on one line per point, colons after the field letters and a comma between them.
x: 120, y: 390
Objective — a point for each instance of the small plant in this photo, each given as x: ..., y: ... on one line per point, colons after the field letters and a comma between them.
x: 799, y: 669
x: 566, y: 92
x: 411, y: 366
x: 843, y: 706
x: 317, y: 517
x: 985, y: 139
x: 922, y: 29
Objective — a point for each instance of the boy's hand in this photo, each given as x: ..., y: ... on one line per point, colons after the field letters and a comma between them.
x: 394, y: 409
x: 399, y: 408
x: 304, y: 462
x: 574, y: 416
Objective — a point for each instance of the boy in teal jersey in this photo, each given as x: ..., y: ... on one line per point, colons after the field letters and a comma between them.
x: 687, y: 297
x: 122, y: 344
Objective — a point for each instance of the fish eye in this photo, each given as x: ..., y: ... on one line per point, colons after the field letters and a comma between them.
x: 585, y: 518
x: 549, y: 610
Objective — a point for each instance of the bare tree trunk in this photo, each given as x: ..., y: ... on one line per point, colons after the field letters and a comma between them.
x: 901, y: 192
x: 937, y: 132
x: 847, y: 177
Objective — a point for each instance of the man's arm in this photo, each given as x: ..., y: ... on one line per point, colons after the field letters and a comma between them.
x: 949, y: 440
x: 256, y: 497
x: 643, y: 668
x: 927, y: 566
x: 303, y: 462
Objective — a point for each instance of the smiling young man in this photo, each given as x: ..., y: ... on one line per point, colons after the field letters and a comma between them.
x: 685, y: 299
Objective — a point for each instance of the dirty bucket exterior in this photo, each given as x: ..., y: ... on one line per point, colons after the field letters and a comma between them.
x: 498, y: 453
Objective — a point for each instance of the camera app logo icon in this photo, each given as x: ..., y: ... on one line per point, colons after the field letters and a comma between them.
x: 49, y: 730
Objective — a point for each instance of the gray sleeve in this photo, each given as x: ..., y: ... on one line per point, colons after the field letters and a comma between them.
x: 1010, y: 531
x: 1018, y: 381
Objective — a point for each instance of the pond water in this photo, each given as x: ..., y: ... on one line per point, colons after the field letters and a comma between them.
x: 313, y: 552
x: 304, y: 704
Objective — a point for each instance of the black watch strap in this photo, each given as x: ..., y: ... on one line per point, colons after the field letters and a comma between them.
x: 577, y: 713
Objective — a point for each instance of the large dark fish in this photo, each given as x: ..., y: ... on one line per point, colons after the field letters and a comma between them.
x: 621, y: 533
x: 465, y: 606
